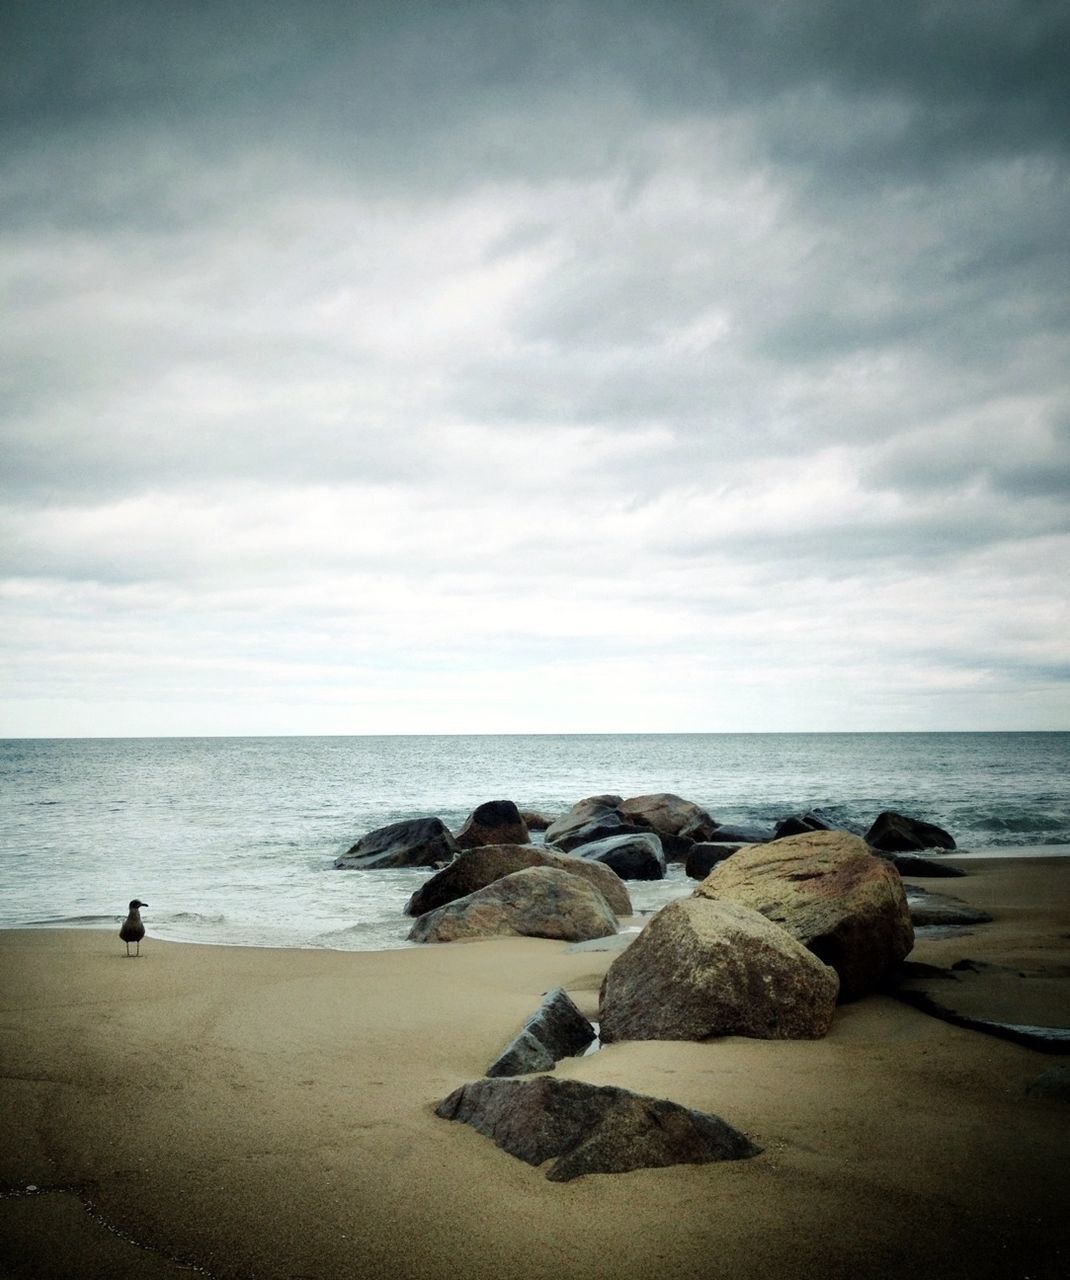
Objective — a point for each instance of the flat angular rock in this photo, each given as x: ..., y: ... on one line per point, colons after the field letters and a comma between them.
x: 496, y: 822
x: 419, y: 842
x: 476, y: 868
x: 896, y: 833
x: 831, y: 894
x: 540, y: 902
x: 586, y: 1128
x: 632, y: 857
x: 705, y: 968
x: 668, y: 815
x: 912, y: 864
x: 555, y: 1030
x: 928, y: 909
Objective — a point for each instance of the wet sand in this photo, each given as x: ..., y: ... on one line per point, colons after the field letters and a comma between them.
x: 260, y: 1113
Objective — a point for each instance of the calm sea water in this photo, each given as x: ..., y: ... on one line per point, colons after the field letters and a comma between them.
x: 232, y: 839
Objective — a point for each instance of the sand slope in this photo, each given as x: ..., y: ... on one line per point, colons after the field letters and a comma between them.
x: 269, y: 1114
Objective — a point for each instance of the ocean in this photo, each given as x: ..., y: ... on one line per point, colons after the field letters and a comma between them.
x: 232, y: 840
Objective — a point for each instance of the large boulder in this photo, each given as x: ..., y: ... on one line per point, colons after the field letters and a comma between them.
x: 495, y: 822
x: 896, y: 833
x: 419, y: 842
x: 474, y: 869
x: 669, y: 815
x: 830, y: 893
x: 555, y: 1030
x: 587, y: 1128
x: 540, y: 902
x: 632, y: 857
x: 705, y: 968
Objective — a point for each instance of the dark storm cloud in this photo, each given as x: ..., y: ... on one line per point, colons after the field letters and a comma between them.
x: 630, y: 327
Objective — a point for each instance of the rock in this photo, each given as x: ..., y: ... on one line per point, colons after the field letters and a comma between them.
x: 496, y: 822
x: 632, y: 857
x: 715, y: 968
x: 539, y: 902
x: 727, y: 834
x: 474, y: 869
x: 586, y: 1128
x: 798, y: 825
x: 419, y: 842
x: 702, y: 858
x: 896, y: 833
x: 535, y: 821
x: 668, y: 815
x: 1054, y: 1083
x: 910, y: 864
x: 555, y: 1030
x: 831, y: 894
x: 927, y: 909
x: 604, y: 828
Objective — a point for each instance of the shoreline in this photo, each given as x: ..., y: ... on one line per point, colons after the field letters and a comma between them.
x: 268, y: 1112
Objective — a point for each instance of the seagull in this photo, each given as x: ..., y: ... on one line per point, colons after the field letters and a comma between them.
x: 133, y: 930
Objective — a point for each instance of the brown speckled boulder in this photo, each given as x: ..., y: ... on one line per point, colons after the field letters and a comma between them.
x: 703, y: 968
x: 540, y: 902
x: 476, y: 868
x: 829, y: 891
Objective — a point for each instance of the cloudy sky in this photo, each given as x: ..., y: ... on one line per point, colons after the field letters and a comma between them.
x: 532, y: 367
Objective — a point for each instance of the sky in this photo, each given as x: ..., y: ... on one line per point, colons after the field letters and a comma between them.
x: 534, y: 367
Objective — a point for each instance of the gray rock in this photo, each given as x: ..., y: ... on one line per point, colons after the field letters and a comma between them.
x: 540, y: 902
x: 799, y: 824
x: 728, y: 834
x: 587, y: 1128
x: 632, y: 857
x: 555, y: 1030
x: 419, y: 842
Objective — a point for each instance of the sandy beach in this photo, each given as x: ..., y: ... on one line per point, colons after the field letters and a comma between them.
x: 269, y: 1113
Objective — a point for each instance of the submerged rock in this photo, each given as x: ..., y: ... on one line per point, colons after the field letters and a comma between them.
x: 896, y: 833
x: 476, y: 868
x: 419, y: 842
x: 555, y: 1030
x: 912, y: 864
x: 586, y: 1128
x: 540, y: 902
x: 831, y: 894
x: 705, y: 968
x: 495, y: 822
